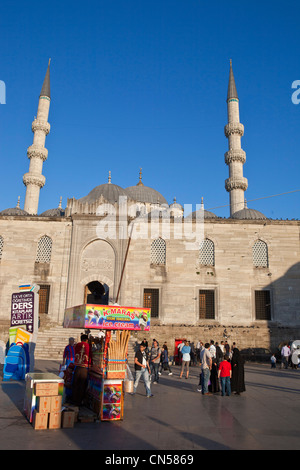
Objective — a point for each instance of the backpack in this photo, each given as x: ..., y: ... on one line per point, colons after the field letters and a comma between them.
x: 17, y: 362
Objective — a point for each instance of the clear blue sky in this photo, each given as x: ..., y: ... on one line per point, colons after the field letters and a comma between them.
x: 138, y: 83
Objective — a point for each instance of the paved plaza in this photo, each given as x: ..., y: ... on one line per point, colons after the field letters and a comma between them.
x: 265, y: 417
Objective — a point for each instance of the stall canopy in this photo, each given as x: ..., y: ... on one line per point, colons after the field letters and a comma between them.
x: 107, y: 317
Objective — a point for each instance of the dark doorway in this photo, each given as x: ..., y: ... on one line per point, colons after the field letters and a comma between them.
x: 96, y: 293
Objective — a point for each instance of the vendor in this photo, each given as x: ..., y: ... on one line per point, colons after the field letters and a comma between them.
x: 83, y: 359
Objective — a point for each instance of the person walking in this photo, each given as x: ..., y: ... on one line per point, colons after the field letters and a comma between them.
x: 155, y: 360
x: 285, y: 354
x: 142, y: 370
x: 225, y: 374
x: 238, y: 380
x: 206, y: 363
x: 164, y: 363
x: 186, y: 357
x: 273, y: 361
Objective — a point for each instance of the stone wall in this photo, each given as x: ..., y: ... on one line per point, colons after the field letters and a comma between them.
x: 255, y: 336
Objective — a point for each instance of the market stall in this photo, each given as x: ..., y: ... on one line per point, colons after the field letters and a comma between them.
x: 105, y: 391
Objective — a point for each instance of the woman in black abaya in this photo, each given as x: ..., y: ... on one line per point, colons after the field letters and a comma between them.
x: 237, y: 365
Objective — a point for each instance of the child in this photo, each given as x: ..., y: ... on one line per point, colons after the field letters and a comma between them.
x: 225, y: 373
x: 273, y: 362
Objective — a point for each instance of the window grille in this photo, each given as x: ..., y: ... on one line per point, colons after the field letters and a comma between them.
x: 207, y: 304
x: 260, y: 254
x: 1, y: 247
x: 44, y: 294
x: 262, y: 305
x: 207, y: 253
x: 44, y: 250
x: 158, y: 251
x: 151, y: 300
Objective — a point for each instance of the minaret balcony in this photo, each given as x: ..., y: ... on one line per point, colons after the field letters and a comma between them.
x: 236, y: 183
x: 234, y: 128
x: 235, y: 156
x: 37, y: 152
x: 39, y: 125
x: 36, y: 180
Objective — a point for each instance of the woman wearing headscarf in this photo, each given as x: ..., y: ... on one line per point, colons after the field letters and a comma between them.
x: 237, y: 380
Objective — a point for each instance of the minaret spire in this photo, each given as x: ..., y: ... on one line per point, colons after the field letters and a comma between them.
x: 37, y: 153
x: 235, y: 158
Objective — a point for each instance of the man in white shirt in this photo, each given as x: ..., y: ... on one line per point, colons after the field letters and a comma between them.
x: 212, y: 350
x: 285, y: 353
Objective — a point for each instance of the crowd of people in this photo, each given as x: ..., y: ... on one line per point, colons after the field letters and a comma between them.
x: 222, y: 367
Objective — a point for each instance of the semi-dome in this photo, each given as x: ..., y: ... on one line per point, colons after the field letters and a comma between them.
x: 111, y: 192
x: 142, y: 193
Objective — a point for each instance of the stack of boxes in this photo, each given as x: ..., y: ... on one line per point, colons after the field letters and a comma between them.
x: 47, y: 414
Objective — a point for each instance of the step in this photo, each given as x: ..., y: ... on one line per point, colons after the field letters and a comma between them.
x: 52, y: 341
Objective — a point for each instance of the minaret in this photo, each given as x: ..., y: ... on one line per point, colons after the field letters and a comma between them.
x: 37, y: 153
x: 235, y: 158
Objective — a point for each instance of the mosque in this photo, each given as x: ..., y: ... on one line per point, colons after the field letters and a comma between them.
x: 203, y: 276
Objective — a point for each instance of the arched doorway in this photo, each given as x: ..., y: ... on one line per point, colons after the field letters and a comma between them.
x: 96, y: 293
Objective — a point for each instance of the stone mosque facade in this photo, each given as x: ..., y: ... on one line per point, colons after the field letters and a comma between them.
x: 239, y: 280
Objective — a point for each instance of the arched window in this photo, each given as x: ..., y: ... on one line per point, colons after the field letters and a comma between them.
x: 1, y: 247
x: 44, y: 250
x: 207, y: 253
x: 158, y: 251
x: 260, y: 254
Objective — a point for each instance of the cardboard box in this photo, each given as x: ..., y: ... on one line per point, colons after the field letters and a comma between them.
x: 68, y: 419
x: 56, y: 403
x: 43, y: 404
x: 40, y: 420
x: 71, y: 407
x: 46, y: 389
x: 55, y: 420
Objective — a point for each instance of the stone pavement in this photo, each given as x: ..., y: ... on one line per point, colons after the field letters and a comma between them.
x: 266, y: 416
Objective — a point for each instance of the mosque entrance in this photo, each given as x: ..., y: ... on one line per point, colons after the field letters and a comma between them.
x: 96, y: 293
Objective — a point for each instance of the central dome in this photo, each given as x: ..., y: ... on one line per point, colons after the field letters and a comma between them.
x: 111, y: 192
x: 145, y: 194
x: 142, y: 193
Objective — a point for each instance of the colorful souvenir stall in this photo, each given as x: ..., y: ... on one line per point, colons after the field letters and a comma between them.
x: 105, y: 393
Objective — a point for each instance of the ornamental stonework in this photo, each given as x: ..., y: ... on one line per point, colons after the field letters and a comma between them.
x: 38, y: 125
x: 241, y: 183
x: 37, y: 152
x: 235, y: 156
x: 37, y: 180
x: 234, y: 128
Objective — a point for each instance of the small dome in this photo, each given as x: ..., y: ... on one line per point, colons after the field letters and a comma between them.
x: 58, y: 212
x: 175, y: 205
x: 13, y: 211
x: 53, y: 213
x: 207, y: 214
x: 111, y: 192
x: 248, y: 214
